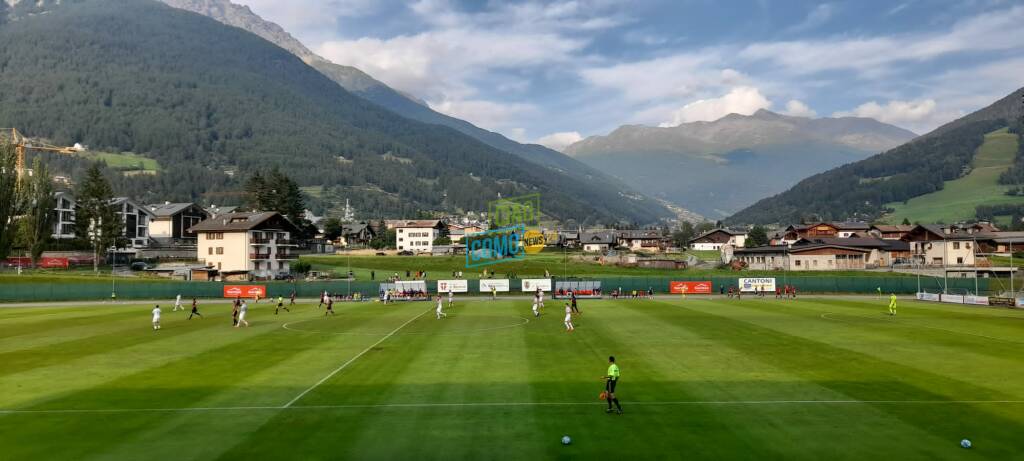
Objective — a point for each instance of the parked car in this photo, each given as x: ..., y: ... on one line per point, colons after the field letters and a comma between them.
x: 139, y: 266
x: 405, y: 253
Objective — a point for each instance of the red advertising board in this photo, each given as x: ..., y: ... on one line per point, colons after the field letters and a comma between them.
x: 49, y: 263
x: 54, y: 263
x: 688, y: 288
x: 245, y: 291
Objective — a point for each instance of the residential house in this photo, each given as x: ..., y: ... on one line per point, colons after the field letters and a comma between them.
x: 569, y: 238
x: 1000, y: 243
x: 358, y: 233
x: 715, y: 239
x: 172, y: 221
x: 936, y: 245
x: 417, y: 235
x: 247, y: 245
x: 217, y: 210
x: 881, y: 253
x: 136, y: 219
x: 804, y: 257
x: 650, y: 241
x: 826, y: 230
x: 63, y: 216
x: 887, y: 232
x: 597, y: 242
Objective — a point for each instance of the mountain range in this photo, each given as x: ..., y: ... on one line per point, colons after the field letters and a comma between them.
x: 716, y: 168
x: 365, y: 86
x: 203, y: 99
x: 862, y: 189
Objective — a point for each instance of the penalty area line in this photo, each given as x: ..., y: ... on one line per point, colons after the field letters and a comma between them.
x: 514, y: 404
x: 353, y: 359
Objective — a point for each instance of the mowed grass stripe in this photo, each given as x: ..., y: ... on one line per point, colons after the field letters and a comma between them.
x: 108, y: 337
x: 986, y: 363
x: 707, y: 369
x: 575, y: 369
x: 278, y: 382
x: 877, y: 379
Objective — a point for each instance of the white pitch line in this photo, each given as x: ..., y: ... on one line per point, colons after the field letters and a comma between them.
x: 353, y: 359
x: 514, y: 404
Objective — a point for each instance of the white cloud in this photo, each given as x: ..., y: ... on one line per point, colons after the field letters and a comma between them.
x: 895, y: 112
x: 876, y: 56
x: 797, y: 108
x: 489, y: 115
x: 560, y: 140
x: 742, y: 100
x: 820, y: 15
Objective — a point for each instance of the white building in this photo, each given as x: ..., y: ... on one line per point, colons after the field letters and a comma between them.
x: 715, y: 239
x: 171, y: 221
x: 417, y: 235
x: 246, y: 245
x: 64, y: 216
x: 136, y: 219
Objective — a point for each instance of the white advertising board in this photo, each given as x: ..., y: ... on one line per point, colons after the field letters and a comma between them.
x: 501, y: 285
x: 530, y: 285
x: 928, y: 297
x: 953, y: 299
x: 455, y: 286
x: 976, y: 300
x: 757, y: 284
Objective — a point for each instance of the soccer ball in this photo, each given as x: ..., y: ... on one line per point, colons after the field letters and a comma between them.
x: 965, y: 443
x: 566, y: 440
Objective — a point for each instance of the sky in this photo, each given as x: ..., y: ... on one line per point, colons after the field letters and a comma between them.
x: 554, y: 72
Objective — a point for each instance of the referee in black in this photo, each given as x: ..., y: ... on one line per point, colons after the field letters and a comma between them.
x: 572, y: 297
x: 611, y: 379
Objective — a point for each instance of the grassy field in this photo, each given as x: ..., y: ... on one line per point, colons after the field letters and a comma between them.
x: 756, y: 379
x: 124, y: 160
x: 441, y: 267
x: 958, y: 199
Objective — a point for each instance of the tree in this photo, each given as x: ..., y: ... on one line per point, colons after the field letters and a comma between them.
x: 383, y: 240
x: 758, y: 236
x: 8, y: 197
x: 443, y: 240
x: 682, y: 236
x: 96, y: 221
x: 332, y: 228
x: 703, y: 227
x: 906, y: 222
x: 37, y: 223
x: 276, y: 192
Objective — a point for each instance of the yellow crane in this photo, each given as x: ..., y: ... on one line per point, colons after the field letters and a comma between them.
x: 21, y: 144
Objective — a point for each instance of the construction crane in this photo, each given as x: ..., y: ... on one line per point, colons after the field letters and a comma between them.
x: 21, y: 144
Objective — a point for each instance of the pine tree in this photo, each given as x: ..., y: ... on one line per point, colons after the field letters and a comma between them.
x: 96, y: 221
x: 37, y: 224
x: 8, y: 197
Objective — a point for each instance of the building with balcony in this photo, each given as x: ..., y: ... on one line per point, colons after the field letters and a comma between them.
x: 63, y: 216
x: 172, y: 221
x: 259, y: 245
x: 417, y: 236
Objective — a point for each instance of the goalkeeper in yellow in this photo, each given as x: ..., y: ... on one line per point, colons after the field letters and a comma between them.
x: 892, y: 304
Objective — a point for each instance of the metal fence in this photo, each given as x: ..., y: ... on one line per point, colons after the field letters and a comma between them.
x: 76, y: 291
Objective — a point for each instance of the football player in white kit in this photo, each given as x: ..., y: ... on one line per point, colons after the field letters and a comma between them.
x: 538, y: 298
x: 536, y: 313
x: 440, y: 308
x: 568, y: 319
x: 177, y: 303
x: 156, y: 317
x: 451, y: 297
x: 242, y: 310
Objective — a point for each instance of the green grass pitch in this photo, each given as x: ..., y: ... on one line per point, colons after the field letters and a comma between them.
x: 825, y: 378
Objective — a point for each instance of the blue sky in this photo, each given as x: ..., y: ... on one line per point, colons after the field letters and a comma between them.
x: 555, y: 71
